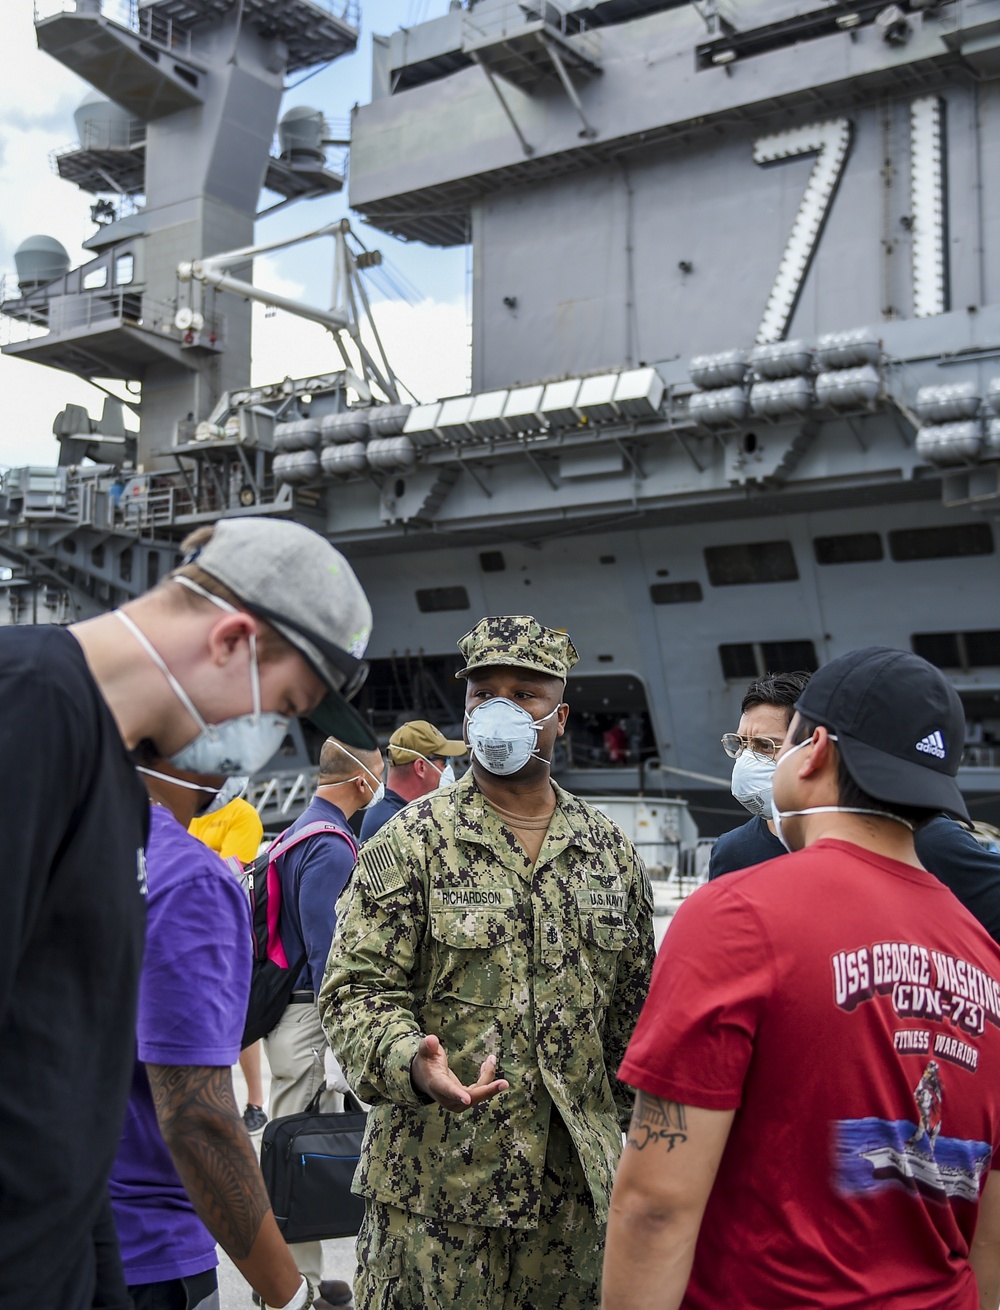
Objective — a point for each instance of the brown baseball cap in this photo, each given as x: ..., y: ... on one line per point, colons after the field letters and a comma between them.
x: 420, y: 739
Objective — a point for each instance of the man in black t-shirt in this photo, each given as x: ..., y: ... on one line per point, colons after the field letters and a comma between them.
x: 263, y: 620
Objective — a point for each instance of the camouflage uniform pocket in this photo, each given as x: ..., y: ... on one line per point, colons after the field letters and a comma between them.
x: 472, y: 957
x: 388, y: 1263
x: 608, y: 931
x: 605, y: 933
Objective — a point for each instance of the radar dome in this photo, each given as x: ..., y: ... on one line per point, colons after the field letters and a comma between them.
x: 301, y: 132
x: 101, y: 124
x: 40, y: 259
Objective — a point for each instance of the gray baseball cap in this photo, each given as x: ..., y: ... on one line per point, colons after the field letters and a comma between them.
x: 304, y: 588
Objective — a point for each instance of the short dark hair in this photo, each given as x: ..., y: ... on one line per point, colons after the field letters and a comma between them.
x: 338, y: 764
x: 850, y: 794
x: 779, y: 689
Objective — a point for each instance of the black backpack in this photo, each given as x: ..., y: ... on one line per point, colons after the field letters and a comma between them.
x: 273, y: 975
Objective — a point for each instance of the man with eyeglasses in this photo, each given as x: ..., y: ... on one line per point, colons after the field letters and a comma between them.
x: 818, y: 1061
x: 944, y: 847
x: 420, y: 758
x: 765, y: 714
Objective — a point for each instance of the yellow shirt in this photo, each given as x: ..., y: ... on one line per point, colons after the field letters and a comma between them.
x: 236, y: 829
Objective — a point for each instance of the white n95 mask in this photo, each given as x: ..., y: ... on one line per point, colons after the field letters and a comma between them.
x: 503, y: 735
x: 752, y: 783
x: 241, y: 745
x: 231, y: 790
x: 446, y: 775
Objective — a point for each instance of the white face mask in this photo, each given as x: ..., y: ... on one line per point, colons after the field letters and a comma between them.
x: 208, y: 806
x: 378, y: 791
x: 503, y: 735
x: 240, y: 745
x: 752, y: 782
x: 781, y: 815
x: 445, y: 775
x: 231, y: 790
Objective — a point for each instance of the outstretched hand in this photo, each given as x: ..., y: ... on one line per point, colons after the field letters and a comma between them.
x: 430, y: 1074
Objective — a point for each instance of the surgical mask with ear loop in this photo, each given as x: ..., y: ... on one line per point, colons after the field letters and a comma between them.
x: 781, y: 815
x: 378, y: 791
x: 237, y: 746
x: 503, y: 735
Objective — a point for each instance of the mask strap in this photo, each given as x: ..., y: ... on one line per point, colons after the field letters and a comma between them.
x: 254, y: 677
x: 377, y: 781
x: 538, y: 725
x: 160, y: 663
x: 199, y: 590
x: 207, y: 595
x: 848, y: 809
x: 408, y: 750
x: 176, y: 782
x: 539, y: 722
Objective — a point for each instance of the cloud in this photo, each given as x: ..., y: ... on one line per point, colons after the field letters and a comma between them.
x: 427, y: 346
x: 36, y: 118
x: 32, y: 396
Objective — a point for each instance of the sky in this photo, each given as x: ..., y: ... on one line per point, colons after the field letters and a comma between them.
x: 428, y: 341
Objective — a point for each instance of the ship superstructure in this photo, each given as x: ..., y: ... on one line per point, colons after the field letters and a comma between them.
x: 735, y: 377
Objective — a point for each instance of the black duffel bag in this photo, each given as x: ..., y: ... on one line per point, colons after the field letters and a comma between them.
x: 308, y: 1162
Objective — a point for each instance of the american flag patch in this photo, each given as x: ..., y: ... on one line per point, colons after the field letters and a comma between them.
x: 381, y: 872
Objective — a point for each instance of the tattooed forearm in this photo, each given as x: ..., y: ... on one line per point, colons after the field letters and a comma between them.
x: 654, y: 1120
x: 204, y: 1133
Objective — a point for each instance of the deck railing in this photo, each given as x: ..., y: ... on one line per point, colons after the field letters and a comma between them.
x: 144, y: 20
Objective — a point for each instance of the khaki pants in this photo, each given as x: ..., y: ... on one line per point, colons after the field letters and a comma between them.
x: 411, y: 1261
x: 295, y: 1051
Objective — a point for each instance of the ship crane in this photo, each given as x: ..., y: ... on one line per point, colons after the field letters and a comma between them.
x: 342, y: 317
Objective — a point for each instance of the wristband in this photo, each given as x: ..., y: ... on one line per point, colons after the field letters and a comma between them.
x: 302, y: 1298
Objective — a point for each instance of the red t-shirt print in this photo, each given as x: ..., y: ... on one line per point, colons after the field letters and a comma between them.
x: 847, y: 1007
x: 931, y: 986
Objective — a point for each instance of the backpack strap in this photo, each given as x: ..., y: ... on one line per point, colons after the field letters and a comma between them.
x: 279, y: 847
x: 239, y: 872
x: 287, y: 840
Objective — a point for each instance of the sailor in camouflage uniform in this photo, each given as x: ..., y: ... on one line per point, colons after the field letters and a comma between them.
x: 484, y: 980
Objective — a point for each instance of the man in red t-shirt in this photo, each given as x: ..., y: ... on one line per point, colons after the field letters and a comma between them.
x: 818, y: 1061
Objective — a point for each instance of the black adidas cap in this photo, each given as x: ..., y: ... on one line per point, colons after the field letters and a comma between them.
x: 899, y: 724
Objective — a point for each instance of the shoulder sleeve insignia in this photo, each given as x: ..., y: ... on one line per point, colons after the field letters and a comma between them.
x: 380, y: 868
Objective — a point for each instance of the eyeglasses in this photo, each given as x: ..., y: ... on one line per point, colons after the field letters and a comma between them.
x: 763, y: 747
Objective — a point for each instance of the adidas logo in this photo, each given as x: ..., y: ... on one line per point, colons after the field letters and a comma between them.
x: 933, y: 744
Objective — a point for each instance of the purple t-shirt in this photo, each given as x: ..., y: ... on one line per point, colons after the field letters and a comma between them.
x: 192, y: 1005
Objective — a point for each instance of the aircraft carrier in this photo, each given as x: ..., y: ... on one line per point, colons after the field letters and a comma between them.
x: 735, y: 401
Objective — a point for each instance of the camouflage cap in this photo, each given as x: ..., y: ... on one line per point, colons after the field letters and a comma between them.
x: 518, y: 640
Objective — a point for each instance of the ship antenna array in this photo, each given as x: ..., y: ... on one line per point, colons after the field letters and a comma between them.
x: 342, y: 318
